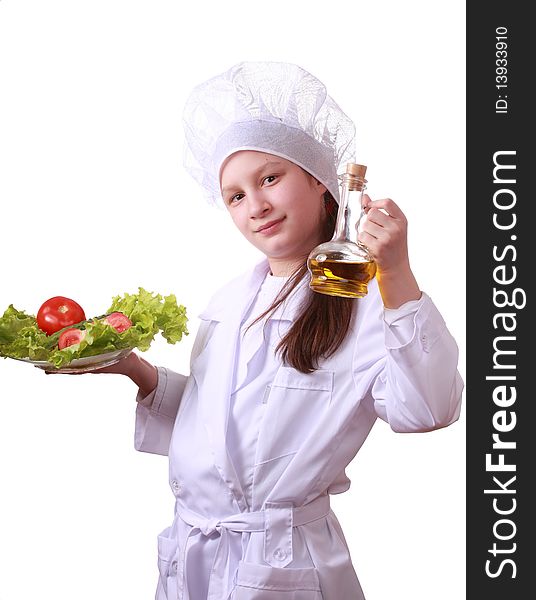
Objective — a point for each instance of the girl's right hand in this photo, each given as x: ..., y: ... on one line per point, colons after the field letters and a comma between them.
x: 142, y: 372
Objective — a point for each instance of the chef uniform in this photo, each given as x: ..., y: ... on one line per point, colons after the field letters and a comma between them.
x: 255, y: 446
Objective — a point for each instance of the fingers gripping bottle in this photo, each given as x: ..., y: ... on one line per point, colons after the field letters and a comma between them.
x: 342, y: 267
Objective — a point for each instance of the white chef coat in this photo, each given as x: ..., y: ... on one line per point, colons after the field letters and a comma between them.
x: 261, y: 528
x: 254, y: 366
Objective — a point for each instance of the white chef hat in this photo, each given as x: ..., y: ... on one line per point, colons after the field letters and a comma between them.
x: 273, y: 107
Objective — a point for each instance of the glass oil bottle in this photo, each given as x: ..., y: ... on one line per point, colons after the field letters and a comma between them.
x: 342, y: 267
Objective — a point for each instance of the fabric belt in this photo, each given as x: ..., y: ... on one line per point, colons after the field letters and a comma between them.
x: 276, y: 520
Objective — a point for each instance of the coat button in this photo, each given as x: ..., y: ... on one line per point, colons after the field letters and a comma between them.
x: 280, y: 554
x: 176, y: 487
x: 174, y: 566
x: 424, y: 340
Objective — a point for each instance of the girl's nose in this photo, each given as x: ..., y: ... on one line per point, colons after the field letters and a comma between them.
x: 258, y: 205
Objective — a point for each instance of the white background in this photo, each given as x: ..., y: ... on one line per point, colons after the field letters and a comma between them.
x: 94, y: 202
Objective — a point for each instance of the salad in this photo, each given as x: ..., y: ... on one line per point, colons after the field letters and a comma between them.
x: 60, y: 333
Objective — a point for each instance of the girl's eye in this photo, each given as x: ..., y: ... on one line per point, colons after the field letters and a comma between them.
x: 235, y: 198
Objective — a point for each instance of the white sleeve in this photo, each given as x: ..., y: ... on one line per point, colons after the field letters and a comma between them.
x: 415, y: 385
x: 156, y: 412
x: 154, y: 425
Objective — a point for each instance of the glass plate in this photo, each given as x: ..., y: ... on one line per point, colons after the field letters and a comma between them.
x: 82, y: 365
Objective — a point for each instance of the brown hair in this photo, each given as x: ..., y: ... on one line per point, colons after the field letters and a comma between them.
x: 323, y: 321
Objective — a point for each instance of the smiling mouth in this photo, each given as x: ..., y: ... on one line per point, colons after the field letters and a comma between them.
x: 269, y: 225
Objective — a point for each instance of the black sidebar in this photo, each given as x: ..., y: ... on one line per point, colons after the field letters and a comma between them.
x: 501, y: 365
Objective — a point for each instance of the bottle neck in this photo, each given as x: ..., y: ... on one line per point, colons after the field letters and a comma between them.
x: 350, y: 209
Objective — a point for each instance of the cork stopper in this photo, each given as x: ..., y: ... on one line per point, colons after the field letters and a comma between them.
x: 354, y: 178
x: 356, y: 170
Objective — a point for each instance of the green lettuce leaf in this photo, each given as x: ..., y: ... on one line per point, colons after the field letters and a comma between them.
x: 150, y: 313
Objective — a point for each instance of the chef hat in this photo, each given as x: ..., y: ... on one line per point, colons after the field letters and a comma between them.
x: 273, y: 107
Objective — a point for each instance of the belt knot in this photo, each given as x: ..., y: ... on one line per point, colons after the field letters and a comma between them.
x: 209, y: 526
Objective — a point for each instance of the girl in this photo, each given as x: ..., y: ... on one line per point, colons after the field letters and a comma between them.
x: 285, y: 383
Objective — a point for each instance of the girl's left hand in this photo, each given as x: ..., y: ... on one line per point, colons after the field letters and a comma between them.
x: 385, y: 235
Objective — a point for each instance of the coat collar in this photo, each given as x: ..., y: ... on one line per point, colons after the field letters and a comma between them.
x: 229, y: 307
x: 238, y: 294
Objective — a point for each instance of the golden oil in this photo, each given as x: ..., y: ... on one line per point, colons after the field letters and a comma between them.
x: 348, y: 279
x: 341, y: 266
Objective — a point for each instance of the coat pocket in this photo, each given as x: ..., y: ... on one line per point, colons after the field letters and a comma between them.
x: 260, y: 582
x: 294, y: 404
x: 167, y: 566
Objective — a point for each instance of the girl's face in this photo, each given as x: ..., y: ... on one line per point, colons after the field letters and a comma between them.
x: 275, y: 204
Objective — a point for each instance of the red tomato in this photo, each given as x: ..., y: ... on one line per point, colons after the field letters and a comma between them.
x: 59, y: 312
x: 69, y: 337
x: 118, y: 321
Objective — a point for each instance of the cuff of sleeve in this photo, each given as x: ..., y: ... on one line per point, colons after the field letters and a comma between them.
x: 392, y: 315
x: 154, y: 423
x: 417, y: 324
x: 158, y: 401
x: 400, y: 322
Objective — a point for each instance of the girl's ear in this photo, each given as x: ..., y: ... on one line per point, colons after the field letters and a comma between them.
x: 317, y: 185
x: 323, y: 188
x: 331, y: 206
